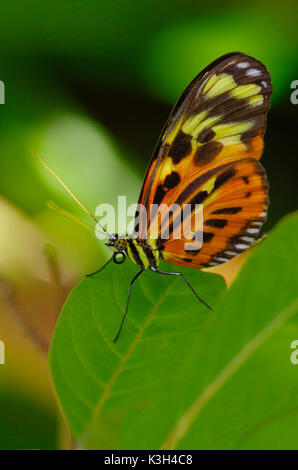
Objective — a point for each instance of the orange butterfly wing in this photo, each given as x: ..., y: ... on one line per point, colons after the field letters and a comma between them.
x: 234, y: 198
x: 220, y: 116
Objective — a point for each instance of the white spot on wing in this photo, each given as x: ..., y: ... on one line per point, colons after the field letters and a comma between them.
x: 243, y: 65
x: 248, y: 239
x: 253, y: 72
x: 241, y: 246
x: 221, y: 260
x: 231, y: 253
x: 254, y: 230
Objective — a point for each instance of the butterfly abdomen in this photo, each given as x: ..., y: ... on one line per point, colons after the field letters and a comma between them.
x: 144, y: 253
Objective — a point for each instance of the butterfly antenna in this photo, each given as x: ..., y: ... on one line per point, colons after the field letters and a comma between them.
x: 59, y: 210
x: 69, y: 192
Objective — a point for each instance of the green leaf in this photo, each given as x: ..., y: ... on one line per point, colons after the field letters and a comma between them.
x: 180, y: 376
x: 97, y: 381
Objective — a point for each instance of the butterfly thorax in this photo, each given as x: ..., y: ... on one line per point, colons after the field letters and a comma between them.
x: 144, y: 253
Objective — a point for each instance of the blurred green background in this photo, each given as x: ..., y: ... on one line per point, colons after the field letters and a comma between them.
x: 89, y: 85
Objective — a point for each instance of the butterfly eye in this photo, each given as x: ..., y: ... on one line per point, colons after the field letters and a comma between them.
x: 119, y: 257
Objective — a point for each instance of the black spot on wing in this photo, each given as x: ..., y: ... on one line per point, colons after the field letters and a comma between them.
x: 159, y: 194
x: 187, y: 260
x: 198, y: 198
x: 171, y: 180
x: 228, y: 210
x: 217, y: 223
x: 181, y: 147
x: 207, y: 152
x: 206, y: 136
x: 223, y: 178
x: 207, y: 236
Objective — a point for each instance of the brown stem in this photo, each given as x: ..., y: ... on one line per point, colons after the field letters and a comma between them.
x: 10, y: 300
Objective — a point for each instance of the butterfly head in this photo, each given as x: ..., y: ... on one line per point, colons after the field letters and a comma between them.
x: 119, y: 246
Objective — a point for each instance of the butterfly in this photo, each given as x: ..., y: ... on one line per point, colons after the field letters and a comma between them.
x: 208, y: 154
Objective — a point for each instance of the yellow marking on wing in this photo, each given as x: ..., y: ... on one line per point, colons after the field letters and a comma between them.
x: 171, y: 136
x: 194, y: 145
x: 201, y: 87
x: 195, y: 127
x: 231, y: 128
x: 256, y: 100
x: 211, y: 197
x: 167, y: 169
x: 191, y: 124
x: 245, y: 91
x: 210, y: 83
x: 230, y: 140
x: 223, y: 83
x: 209, y: 185
x: 205, y: 124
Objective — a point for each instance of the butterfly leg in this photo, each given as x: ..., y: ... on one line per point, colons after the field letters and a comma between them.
x: 99, y: 270
x: 127, y: 303
x: 185, y: 280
